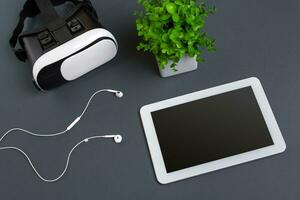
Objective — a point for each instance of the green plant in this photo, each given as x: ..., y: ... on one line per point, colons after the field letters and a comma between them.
x: 171, y: 29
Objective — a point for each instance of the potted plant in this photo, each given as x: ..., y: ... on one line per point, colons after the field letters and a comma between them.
x: 173, y: 32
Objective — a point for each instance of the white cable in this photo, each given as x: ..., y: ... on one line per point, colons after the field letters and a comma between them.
x: 66, y: 165
x: 56, y: 134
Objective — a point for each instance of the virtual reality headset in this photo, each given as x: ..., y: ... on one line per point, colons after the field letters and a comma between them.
x: 66, y: 47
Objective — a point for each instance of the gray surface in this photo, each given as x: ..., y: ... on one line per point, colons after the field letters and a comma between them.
x: 254, y: 38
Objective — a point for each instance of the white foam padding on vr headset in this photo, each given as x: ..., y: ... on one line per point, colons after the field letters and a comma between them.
x: 83, y: 61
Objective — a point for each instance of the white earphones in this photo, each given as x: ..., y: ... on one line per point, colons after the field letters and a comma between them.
x: 117, y: 138
x: 118, y: 94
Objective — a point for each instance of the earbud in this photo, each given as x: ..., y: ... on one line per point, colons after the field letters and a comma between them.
x: 118, y: 139
x: 118, y: 94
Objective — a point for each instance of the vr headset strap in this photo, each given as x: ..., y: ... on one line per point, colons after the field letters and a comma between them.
x: 32, y: 8
x: 47, y: 9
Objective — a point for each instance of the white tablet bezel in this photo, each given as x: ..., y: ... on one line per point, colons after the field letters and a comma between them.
x: 160, y: 170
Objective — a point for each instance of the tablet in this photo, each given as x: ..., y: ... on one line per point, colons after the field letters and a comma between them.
x: 211, y: 129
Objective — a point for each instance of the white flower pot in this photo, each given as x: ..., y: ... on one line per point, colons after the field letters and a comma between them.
x: 186, y: 64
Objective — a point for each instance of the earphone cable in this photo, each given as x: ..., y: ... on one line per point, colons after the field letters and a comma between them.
x: 66, y: 165
x: 54, y: 135
x: 91, y: 98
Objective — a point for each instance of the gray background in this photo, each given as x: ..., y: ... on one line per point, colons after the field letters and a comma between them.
x: 254, y: 38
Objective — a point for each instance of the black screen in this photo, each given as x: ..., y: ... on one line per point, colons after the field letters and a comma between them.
x: 210, y: 129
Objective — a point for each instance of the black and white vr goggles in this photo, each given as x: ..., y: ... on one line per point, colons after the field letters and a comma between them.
x: 66, y: 47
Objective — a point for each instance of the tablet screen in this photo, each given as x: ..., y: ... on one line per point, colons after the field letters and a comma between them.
x: 211, y: 128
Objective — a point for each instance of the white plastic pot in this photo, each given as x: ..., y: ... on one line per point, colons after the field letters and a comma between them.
x: 186, y: 64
